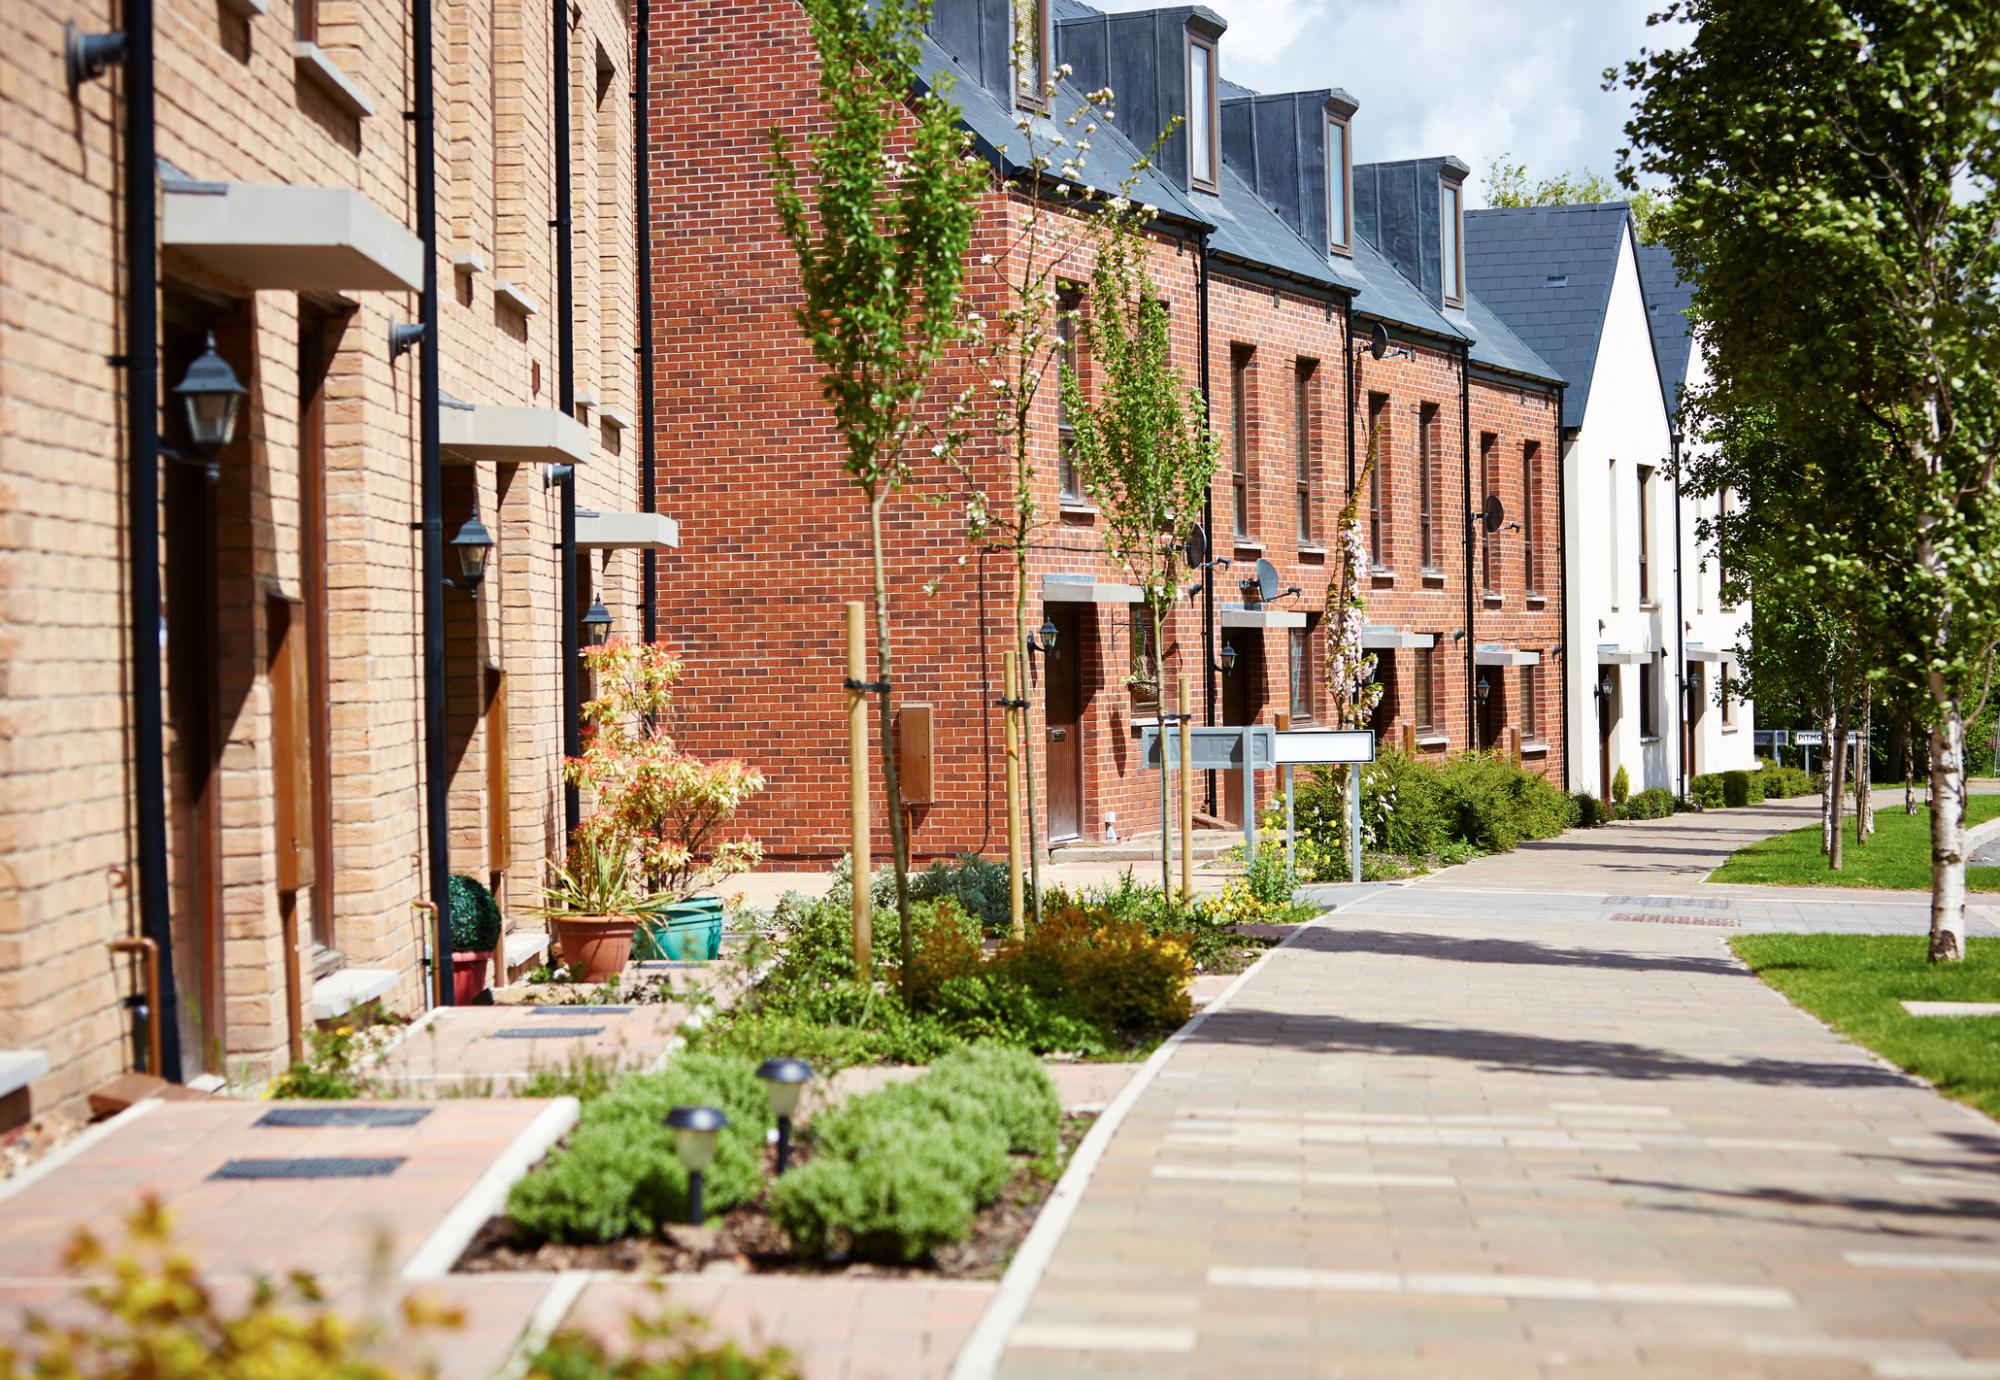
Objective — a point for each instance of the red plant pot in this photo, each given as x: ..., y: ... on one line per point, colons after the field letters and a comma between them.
x: 468, y: 976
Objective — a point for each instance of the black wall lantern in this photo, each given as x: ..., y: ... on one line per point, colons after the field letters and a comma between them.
x: 597, y: 624
x: 212, y: 396
x: 1228, y: 658
x: 1047, y: 633
x: 470, y: 548
x: 1607, y: 687
x: 1484, y: 691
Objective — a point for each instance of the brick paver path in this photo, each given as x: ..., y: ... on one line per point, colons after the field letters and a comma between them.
x: 1489, y: 1147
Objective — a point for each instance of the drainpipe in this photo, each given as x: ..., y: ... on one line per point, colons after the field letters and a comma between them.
x: 1347, y: 359
x: 642, y: 221
x: 1680, y: 628
x: 566, y: 400
x: 1562, y: 582
x: 1207, y: 516
x: 1472, y: 521
x: 142, y: 497
x: 431, y: 466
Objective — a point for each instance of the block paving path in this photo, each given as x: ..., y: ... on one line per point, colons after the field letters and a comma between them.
x: 1455, y: 1146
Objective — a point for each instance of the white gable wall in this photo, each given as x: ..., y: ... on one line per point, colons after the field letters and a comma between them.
x: 1717, y: 746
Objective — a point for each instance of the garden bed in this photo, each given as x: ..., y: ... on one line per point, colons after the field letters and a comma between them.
x: 746, y: 1240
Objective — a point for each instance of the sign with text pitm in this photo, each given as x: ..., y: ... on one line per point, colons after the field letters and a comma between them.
x: 1214, y: 747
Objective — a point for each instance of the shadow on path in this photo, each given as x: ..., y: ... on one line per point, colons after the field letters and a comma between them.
x: 1526, y: 952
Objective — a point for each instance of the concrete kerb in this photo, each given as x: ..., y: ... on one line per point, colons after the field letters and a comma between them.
x: 441, y: 1249
x: 563, y: 1292
x: 63, y: 1154
x: 980, y: 1357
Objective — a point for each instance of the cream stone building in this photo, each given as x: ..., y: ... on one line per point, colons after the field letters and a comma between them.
x: 291, y: 633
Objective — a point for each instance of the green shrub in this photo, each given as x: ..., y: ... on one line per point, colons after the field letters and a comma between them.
x: 1112, y: 973
x: 978, y: 886
x: 671, y: 1347
x: 1418, y: 810
x: 1707, y: 791
x: 1016, y: 1088
x: 1782, y: 783
x: 475, y: 917
x: 1588, y: 810
x: 618, y: 1175
x: 1740, y: 788
x: 1621, y: 786
x: 1655, y: 802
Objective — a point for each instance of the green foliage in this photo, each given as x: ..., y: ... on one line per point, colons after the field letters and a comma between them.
x: 978, y: 886
x: 617, y: 1176
x: 1587, y: 809
x: 1740, y: 788
x: 1508, y: 184
x: 1416, y: 810
x: 1783, y: 783
x: 672, y: 1346
x: 1621, y: 786
x: 585, y: 1078
x: 1655, y: 802
x: 1206, y: 929
x: 1113, y: 974
x: 1897, y: 854
x: 331, y: 1070
x: 1706, y: 790
x: 900, y: 1171
x: 475, y: 916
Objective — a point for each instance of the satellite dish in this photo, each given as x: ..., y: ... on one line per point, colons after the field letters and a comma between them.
x: 1267, y: 581
x: 1378, y: 340
x: 1494, y: 514
x: 1197, y: 548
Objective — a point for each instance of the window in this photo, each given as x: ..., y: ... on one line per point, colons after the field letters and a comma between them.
x: 1145, y: 690
x: 1530, y: 574
x: 1450, y: 194
x: 1302, y: 675
x: 1201, y: 114
x: 1378, y: 454
x: 1427, y: 485
x: 1068, y: 302
x: 1531, y: 714
x: 1302, y: 444
x: 1339, y: 176
x: 1031, y: 53
x: 1645, y: 534
x: 1649, y: 712
x: 1728, y: 697
x: 1239, y: 448
x: 1488, y: 443
x: 1427, y: 689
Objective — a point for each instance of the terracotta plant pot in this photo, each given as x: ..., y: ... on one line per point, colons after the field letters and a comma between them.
x: 594, y: 947
x: 468, y: 976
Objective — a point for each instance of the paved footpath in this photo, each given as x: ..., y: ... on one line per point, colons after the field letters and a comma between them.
x: 1495, y: 1146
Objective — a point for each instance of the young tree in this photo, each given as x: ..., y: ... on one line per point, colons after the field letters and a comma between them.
x: 881, y: 246
x: 1508, y: 184
x: 1143, y: 447
x: 1833, y: 169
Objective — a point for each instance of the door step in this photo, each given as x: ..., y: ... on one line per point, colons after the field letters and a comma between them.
x: 1208, y: 846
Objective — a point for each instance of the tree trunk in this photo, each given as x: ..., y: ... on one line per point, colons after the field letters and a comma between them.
x: 1027, y: 726
x: 1160, y: 713
x: 1864, y: 769
x: 1947, y: 743
x: 1906, y: 734
x: 1828, y: 792
x: 899, y: 845
x: 1836, y: 782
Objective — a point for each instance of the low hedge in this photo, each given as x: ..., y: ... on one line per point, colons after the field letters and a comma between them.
x: 1655, y: 802
x: 1417, y: 810
x: 1706, y: 791
x: 900, y: 1171
x: 1740, y: 788
x: 1782, y: 783
x: 618, y: 1176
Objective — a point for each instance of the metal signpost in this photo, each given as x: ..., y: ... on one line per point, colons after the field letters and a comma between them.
x: 1353, y: 747
x: 1808, y: 739
x: 1248, y: 748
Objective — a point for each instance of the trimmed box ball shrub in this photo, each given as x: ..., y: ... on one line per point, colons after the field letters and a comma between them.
x: 1707, y: 791
x: 1740, y: 788
x: 1655, y: 802
x: 1588, y: 808
x: 618, y: 1175
x: 475, y: 916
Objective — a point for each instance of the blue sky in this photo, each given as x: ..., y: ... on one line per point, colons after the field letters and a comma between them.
x: 1476, y: 78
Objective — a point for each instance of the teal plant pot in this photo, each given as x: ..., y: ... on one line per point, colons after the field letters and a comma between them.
x: 681, y: 932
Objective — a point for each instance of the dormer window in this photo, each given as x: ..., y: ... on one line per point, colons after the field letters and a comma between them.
x: 1339, y: 185
x: 1203, y: 115
x: 1451, y: 241
x: 1032, y: 45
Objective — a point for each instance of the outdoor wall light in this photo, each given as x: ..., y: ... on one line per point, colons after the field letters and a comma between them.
x: 1047, y: 645
x: 784, y: 1080
x: 597, y: 624
x: 212, y: 395
x: 1228, y: 658
x: 1606, y: 688
x: 695, y: 1130
x: 1484, y: 690
x: 471, y: 547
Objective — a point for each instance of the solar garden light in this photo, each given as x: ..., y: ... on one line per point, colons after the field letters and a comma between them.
x: 784, y: 1080
x: 695, y: 1130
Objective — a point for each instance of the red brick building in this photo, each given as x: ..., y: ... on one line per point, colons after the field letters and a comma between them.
x: 1272, y: 316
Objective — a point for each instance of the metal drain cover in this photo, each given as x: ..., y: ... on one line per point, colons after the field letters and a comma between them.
x: 547, y: 1032
x: 321, y: 1167
x: 578, y: 1010
x: 343, y: 1116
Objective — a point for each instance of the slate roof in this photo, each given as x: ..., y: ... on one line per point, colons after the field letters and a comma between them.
x: 992, y: 124
x: 1667, y: 298
x: 1546, y: 271
x: 1497, y: 347
x: 1248, y: 230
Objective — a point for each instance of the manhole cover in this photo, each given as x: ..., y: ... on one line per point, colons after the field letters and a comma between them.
x: 547, y: 1032
x: 579, y: 1010
x: 343, y: 1116
x: 320, y: 1167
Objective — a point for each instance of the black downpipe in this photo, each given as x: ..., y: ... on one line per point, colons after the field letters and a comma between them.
x: 642, y: 218
x: 1207, y: 517
x: 1347, y: 361
x: 566, y: 400
x: 1680, y: 633
x: 437, y: 840
x: 142, y: 420
x: 1473, y: 524
x: 1562, y: 584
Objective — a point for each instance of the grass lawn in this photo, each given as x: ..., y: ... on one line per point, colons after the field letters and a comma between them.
x: 1855, y: 982
x: 1898, y: 856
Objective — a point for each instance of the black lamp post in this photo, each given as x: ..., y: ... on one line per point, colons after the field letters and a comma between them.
x: 212, y: 395
x: 695, y: 1130
x: 784, y: 1080
x: 470, y: 548
x: 597, y: 624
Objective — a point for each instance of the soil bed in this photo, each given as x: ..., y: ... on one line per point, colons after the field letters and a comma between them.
x: 746, y: 1240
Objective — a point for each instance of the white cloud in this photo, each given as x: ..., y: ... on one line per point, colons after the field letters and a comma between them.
x: 1475, y: 78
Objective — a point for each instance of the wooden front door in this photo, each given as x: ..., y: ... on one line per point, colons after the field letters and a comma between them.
x: 1062, y: 706
x: 1697, y: 701
x: 1242, y: 700
x: 1607, y: 719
